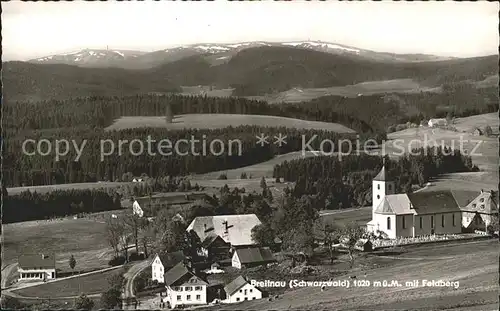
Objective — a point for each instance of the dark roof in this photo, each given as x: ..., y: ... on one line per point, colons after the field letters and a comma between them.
x: 434, y: 202
x: 181, y: 274
x: 484, y: 203
x: 383, y: 175
x: 44, y: 261
x: 464, y: 197
x: 210, y: 239
x: 171, y: 259
x: 234, y: 285
x: 255, y: 255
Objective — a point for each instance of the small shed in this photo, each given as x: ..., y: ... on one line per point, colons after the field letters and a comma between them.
x: 364, y: 245
x: 477, y: 132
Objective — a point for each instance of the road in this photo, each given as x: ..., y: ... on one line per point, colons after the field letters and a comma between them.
x: 130, y: 275
x: 6, y: 272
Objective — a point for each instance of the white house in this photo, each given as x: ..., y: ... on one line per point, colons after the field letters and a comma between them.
x: 184, y: 287
x: 233, y: 229
x: 163, y: 262
x: 252, y: 257
x: 480, y: 212
x: 437, y: 122
x: 241, y: 290
x: 37, y: 267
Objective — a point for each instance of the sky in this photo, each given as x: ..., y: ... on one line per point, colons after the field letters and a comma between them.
x: 460, y: 29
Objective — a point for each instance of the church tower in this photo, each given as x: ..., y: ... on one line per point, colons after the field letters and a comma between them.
x: 382, y: 185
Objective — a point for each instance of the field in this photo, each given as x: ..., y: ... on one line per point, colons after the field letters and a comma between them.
x: 205, y: 90
x: 468, y: 124
x: 89, y: 284
x: 365, y: 88
x: 216, y: 121
x: 475, y: 271
x: 78, y: 186
x: 85, y: 239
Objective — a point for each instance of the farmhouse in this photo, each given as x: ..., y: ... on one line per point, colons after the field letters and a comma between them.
x: 437, y: 122
x: 163, y: 262
x: 184, y: 287
x: 240, y: 290
x: 150, y: 205
x: 236, y: 230
x: 252, y: 257
x: 37, y: 267
x: 215, y: 248
x: 480, y: 212
x: 477, y: 132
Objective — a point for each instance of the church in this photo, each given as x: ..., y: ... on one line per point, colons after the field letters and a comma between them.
x: 428, y: 212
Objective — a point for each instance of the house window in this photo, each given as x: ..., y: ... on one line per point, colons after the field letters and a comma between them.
x: 432, y: 222
x: 442, y: 220
x: 237, y: 299
x: 197, y: 288
x: 241, y: 291
x: 246, y: 298
x: 453, y: 219
x: 251, y: 290
x: 421, y: 222
x: 245, y: 291
x: 188, y: 288
x: 404, y: 222
x: 389, y: 186
x: 388, y: 223
x: 253, y: 298
x: 474, y: 205
x: 378, y: 197
x: 178, y: 297
x: 188, y: 297
x: 482, y: 206
x: 198, y: 297
x: 482, y: 200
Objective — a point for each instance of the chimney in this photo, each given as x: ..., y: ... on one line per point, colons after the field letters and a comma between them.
x: 411, y: 206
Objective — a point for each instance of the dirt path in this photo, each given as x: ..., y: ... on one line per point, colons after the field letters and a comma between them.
x: 131, y: 274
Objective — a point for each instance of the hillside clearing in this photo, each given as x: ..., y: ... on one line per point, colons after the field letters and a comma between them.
x: 296, y: 95
x: 217, y: 121
x: 468, y: 124
x: 85, y: 239
x: 76, y: 186
x: 89, y: 284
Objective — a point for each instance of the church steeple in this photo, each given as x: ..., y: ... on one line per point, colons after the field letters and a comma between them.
x: 382, y: 185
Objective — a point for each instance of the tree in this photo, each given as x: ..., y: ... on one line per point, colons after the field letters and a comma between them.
x: 11, y: 303
x: 331, y: 237
x: 83, y: 303
x: 243, y: 175
x: 133, y: 224
x: 264, y: 235
x: 263, y: 183
x: 488, y: 131
x: 72, y: 263
x: 115, y: 231
x: 116, y: 281
x: 350, y: 235
x: 168, y: 113
x: 111, y: 298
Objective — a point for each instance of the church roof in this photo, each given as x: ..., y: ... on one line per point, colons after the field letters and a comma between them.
x: 383, y: 175
x: 398, y: 204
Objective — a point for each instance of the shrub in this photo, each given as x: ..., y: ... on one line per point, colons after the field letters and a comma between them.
x: 116, y: 261
x: 134, y: 256
x: 111, y: 298
x: 116, y: 281
x: 83, y: 303
x: 222, y: 176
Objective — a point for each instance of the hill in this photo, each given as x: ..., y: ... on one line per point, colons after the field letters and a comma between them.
x: 251, y: 72
x: 25, y: 81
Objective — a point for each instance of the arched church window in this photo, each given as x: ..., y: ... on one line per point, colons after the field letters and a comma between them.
x: 388, y: 223
x: 378, y: 196
x: 378, y: 186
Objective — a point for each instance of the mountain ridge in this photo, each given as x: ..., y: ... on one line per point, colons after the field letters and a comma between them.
x: 129, y: 59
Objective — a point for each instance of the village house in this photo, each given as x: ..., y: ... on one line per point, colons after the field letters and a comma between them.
x: 479, y: 213
x: 252, y: 257
x: 421, y: 213
x: 236, y: 230
x: 477, y: 132
x: 240, y: 290
x: 36, y: 267
x: 214, y: 248
x: 184, y: 287
x: 163, y: 262
x: 437, y: 122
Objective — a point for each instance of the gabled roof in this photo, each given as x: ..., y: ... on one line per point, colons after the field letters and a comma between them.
x: 30, y: 261
x: 464, y: 197
x: 383, y: 175
x: 180, y: 274
x: 171, y: 259
x: 485, y: 203
x: 398, y: 204
x: 432, y: 202
x: 239, y: 228
x: 211, y: 238
x: 254, y: 255
x: 236, y: 284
